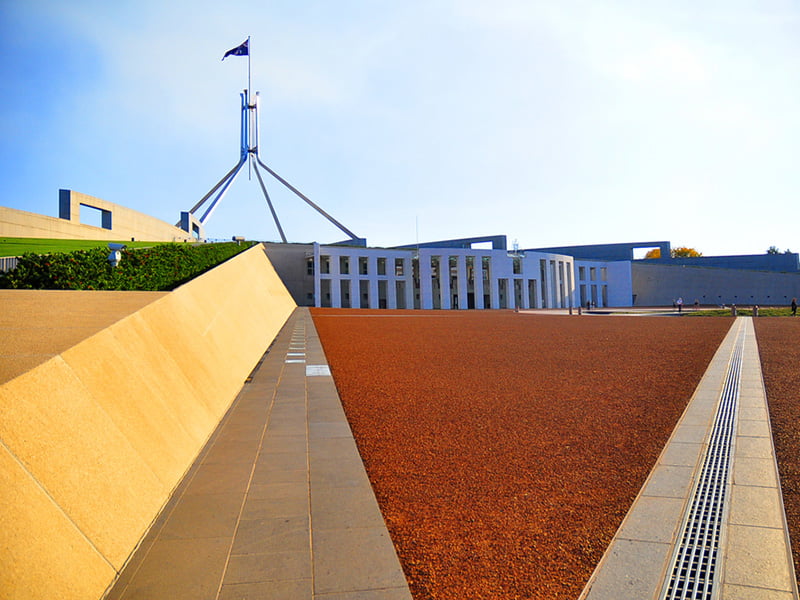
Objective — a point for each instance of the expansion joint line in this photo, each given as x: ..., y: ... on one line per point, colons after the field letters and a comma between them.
x: 693, y: 571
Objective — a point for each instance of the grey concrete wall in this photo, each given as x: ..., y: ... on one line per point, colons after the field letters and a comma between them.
x: 289, y: 261
x: 660, y: 285
x: 781, y: 263
x: 606, y: 251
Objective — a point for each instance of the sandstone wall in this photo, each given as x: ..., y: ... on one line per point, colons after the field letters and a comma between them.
x: 93, y: 441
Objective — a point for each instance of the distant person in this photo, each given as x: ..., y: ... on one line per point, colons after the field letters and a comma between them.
x: 696, y: 304
x: 794, y: 307
x: 680, y: 304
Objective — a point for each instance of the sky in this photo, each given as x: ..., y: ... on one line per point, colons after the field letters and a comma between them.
x: 554, y: 123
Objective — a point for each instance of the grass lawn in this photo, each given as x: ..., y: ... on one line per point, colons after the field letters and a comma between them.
x: 19, y: 246
x: 766, y: 311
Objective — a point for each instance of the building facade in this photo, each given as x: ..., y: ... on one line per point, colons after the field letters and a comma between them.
x: 440, y: 277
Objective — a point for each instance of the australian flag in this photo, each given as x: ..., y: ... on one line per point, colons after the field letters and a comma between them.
x: 241, y: 50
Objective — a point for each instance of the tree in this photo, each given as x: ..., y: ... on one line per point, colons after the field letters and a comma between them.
x: 683, y: 252
x: 654, y: 253
x: 773, y: 250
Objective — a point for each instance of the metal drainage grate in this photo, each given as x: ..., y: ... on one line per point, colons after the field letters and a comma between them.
x: 695, y: 559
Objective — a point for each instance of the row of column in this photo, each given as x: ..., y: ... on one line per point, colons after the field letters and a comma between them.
x: 506, y: 289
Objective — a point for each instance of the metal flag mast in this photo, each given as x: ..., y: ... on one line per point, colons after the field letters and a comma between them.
x: 249, y: 150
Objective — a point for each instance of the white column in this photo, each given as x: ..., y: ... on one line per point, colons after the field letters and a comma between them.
x: 408, y: 275
x: 493, y: 283
x: 463, y: 282
x: 336, y: 287
x: 391, y: 286
x: 425, y: 287
x: 317, y: 283
x: 355, y: 290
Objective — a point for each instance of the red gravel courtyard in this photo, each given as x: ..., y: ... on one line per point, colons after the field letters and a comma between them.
x: 504, y: 448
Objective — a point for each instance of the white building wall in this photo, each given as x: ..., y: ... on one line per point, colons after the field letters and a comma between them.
x: 559, y: 283
x: 617, y: 282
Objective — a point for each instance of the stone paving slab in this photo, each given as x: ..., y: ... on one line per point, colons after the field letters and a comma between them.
x: 754, y: 556
x: 278, y: 504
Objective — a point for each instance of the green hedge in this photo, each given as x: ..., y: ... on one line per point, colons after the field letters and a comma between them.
x: 161, y: 267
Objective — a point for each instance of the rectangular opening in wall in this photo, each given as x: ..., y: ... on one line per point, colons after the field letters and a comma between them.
x: 481, y: 246
x: 325, y: 292
x: 400, y: 293
x: 325, y: 264
x: 344, y: 265
x: 382, y: 293
x: 363, y: 265
x: 532, y: 293
x: 518, y: 287
x: 647, y: 252
x: 399, y: 267
x: 344, y: 290
x: 95, y: 217
x: 453, y: 263
x: 381, y: 266
x: 502, y: 292
x: 605, y: 295
x: 363, y: 288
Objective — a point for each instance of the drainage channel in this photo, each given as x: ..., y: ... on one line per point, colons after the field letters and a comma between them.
x: 694, y: 565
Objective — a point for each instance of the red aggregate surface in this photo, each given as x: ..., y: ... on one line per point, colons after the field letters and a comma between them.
x: 505, y: 449
x: 779, y: 347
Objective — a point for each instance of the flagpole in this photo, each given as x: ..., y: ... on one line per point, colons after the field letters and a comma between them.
x: 249, y: 133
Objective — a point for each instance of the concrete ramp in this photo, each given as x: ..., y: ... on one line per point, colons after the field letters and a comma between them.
x: 94, y: 437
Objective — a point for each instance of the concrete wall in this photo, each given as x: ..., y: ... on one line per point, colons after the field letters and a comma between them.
x: 607, y: 252
x: 603, y: 283
x: 93, y: 441
x: 781, y: 263
x: 660, y: 285
x: 125, y: 223
x: 290, y: 261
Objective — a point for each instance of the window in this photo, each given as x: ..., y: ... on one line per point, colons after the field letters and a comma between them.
x: 399, y: 268
x: 344, y: 265
x: 363, y: 265
x: 604, y: 273
x: 582, y: 273
x: 517, y: 265
x: 325, y: 264
x: 593, y: 273
x: 309, y: 266
x: 381, y: 266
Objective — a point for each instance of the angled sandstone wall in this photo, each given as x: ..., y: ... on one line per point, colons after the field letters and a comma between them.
x: 125, y: 223
x: 93, y: 441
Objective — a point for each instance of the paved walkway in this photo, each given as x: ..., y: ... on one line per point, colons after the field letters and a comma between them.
x: 754, y: 561
x: 278, y: 505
